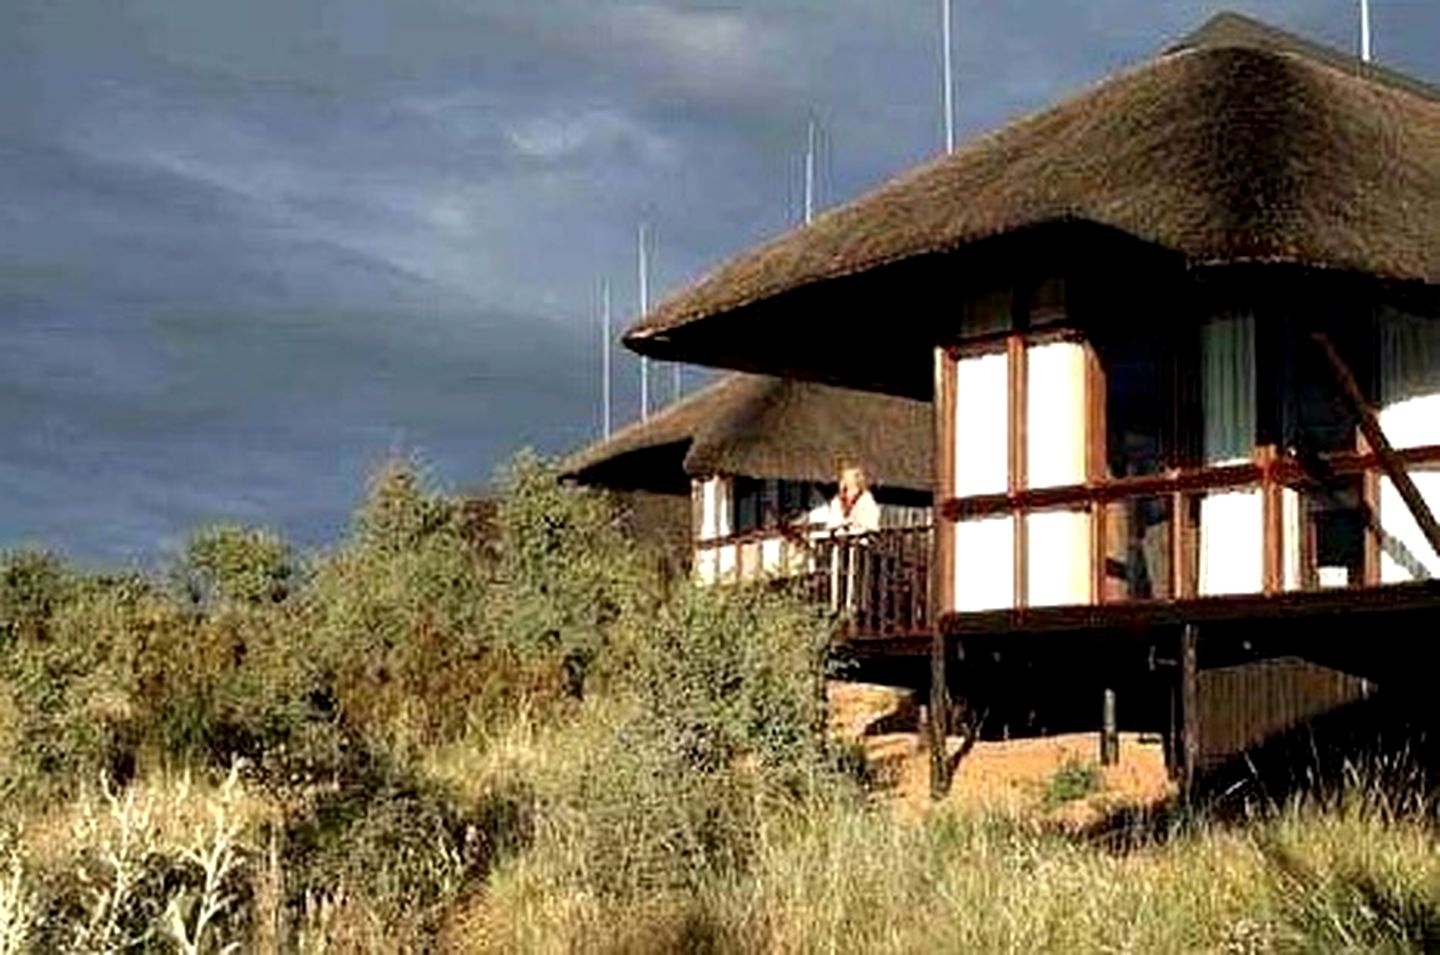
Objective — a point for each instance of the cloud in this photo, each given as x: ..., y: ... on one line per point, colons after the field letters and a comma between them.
x: 709, y: 54
x: 248, y: 249
x: 595, y: 133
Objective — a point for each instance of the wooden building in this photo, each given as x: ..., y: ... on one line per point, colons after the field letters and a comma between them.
x: 746, y: 467
x: 1181, y: 338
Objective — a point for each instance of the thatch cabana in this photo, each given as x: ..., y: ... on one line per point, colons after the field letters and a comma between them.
x: 756, y: 426
x: 1239, y: 146
x: 1181, y: 333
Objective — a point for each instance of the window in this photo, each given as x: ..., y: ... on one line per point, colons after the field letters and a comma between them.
x: 768, y: 503
x: 1227, y: 388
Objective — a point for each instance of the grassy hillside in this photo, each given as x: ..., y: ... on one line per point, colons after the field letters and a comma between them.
x: 508, y: 731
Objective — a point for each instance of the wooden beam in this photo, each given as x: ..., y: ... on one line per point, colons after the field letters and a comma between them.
x: 1097, y: 468
x: 1182, y: 547
x: 1135, y: 615
x: 1018, y: 427
x: 1272, y: 522
x: 942, y: 591
x: 1220, y: 478
x: 1370, y: 500
x: 1390, y: 463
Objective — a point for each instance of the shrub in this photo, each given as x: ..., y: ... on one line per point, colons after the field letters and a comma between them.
x: 230, y: 563
x: 572, y: 587
x: 1074, y: 780
x: 396, y: 616
x: 726, y: 725
x: 33, y: 584
x: 401, y: 849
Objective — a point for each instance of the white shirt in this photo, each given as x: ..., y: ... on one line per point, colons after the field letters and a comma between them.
x: 863, y: 518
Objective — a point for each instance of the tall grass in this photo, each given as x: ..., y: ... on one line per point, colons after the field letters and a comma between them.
x: 510, y: 734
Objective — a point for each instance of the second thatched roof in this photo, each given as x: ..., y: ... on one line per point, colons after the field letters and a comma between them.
x: 763, y: 427
x: 1235, y: 148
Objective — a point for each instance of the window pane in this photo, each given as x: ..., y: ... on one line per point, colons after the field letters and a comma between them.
x: 984, y: 564
x: 982, y: 445
x: 1058, y: 558
x: 1055, y: 425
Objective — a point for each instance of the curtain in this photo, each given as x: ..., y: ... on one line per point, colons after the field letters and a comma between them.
x: 1227, y: 387
x: 1409, y: 356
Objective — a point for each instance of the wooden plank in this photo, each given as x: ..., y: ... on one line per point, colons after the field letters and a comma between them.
x: 1390, y: 463
x: 1140, y: 614
x: 1225, y: 477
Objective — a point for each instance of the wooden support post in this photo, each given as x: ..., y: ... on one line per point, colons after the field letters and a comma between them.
x: 939, y: 728
x: 1390, y: 462
x: 1272, y: 521
x: 1189, y: 708
x: 942, y: 590
x: 1096, y: 469
x: 1370, y: 499
x: 1019, y: 415
x: 1109, y: 731
x: 1182, y: 548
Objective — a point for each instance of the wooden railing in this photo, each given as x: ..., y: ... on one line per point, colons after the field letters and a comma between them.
x: 1145, y: 530
x: 878, y: 582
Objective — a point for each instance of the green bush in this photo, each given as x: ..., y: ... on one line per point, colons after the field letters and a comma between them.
x: 1075, y: 779
x: 727, y: 725
x: 231, y: 563
x: 32, y: 585
x: 571, y: 587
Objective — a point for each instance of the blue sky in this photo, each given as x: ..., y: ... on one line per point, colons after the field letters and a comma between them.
x: 248, y: 250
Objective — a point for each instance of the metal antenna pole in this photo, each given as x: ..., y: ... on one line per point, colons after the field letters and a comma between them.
x: 605, y: 353
x: 644, y: 309
x: 1365, y: 31
x: 949, y: 76
x: 810, y: 172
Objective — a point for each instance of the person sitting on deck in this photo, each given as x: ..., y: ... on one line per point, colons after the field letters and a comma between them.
x: 853, y: 509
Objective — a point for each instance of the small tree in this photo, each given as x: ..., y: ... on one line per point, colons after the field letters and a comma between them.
x: 242, y: 565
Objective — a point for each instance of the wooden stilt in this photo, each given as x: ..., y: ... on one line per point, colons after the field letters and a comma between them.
x: 1109, y: 731
x: 939, y: 728
x: 1189, y: 708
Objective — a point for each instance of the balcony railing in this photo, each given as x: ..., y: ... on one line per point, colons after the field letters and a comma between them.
x: 1249, y: 527
x: 878, y: 582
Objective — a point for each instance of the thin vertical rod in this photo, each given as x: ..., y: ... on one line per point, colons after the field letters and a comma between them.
x: 644, y: 266
x: 810, y: 173
x: 949, y: 71
x: 1365, y: 31
x: 605, y: 397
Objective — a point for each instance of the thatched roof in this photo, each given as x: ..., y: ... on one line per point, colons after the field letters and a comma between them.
x: 763, y: 427
x: 1241, y: 145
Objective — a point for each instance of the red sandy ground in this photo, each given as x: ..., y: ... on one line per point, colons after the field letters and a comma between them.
x: 1006, y: 777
